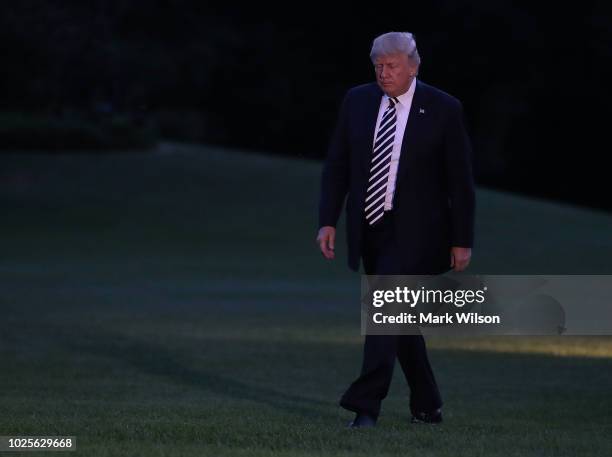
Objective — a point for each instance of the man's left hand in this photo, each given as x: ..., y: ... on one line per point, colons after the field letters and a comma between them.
x: 460, y: 258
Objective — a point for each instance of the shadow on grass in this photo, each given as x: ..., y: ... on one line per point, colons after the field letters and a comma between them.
x: 155, y: 359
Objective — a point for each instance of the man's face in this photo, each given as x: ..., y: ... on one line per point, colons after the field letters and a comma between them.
x: 394, y: 73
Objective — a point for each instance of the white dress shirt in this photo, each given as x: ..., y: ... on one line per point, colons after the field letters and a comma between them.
x: 402, y: 109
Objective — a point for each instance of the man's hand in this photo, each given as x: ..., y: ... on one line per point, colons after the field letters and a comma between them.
x: 326, y: 239
x: 460, y: 258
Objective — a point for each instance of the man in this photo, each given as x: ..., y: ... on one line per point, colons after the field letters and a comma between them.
x: 401, y: 152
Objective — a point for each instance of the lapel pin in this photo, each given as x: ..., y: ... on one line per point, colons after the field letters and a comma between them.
x: 421, y: 111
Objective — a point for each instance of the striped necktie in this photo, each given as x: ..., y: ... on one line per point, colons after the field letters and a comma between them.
x: 380, y: 166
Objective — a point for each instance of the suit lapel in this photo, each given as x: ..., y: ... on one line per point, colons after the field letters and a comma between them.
x: 370, y: 114
x: 414, y: 126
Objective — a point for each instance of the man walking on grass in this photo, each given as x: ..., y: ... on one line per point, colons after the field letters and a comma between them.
x: 401, y: 157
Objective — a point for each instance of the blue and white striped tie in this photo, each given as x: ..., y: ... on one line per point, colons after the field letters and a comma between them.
x: 381, y: 164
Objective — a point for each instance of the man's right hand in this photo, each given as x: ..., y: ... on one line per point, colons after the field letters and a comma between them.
x: 326, y: 239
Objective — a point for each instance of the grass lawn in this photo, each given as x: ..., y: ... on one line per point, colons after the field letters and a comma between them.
x: 175, y: 303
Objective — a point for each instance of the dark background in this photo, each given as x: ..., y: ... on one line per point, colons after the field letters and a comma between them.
x: 533, y: 78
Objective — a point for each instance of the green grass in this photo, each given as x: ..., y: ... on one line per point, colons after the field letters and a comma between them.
x: 175, y: 304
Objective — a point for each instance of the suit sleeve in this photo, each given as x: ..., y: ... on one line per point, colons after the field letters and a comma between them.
x: 336, y: 169
x: 458, y: 161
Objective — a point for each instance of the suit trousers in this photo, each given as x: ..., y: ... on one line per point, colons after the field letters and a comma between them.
x: 365, y: 394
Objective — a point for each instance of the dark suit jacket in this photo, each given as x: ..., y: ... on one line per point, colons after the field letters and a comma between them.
x: 434, y: 194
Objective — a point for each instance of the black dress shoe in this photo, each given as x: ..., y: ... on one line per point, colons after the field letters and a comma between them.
x: 433, y: 417
x: 362, y: 421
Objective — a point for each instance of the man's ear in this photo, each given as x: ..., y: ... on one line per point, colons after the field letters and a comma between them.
x: 414, y: 70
